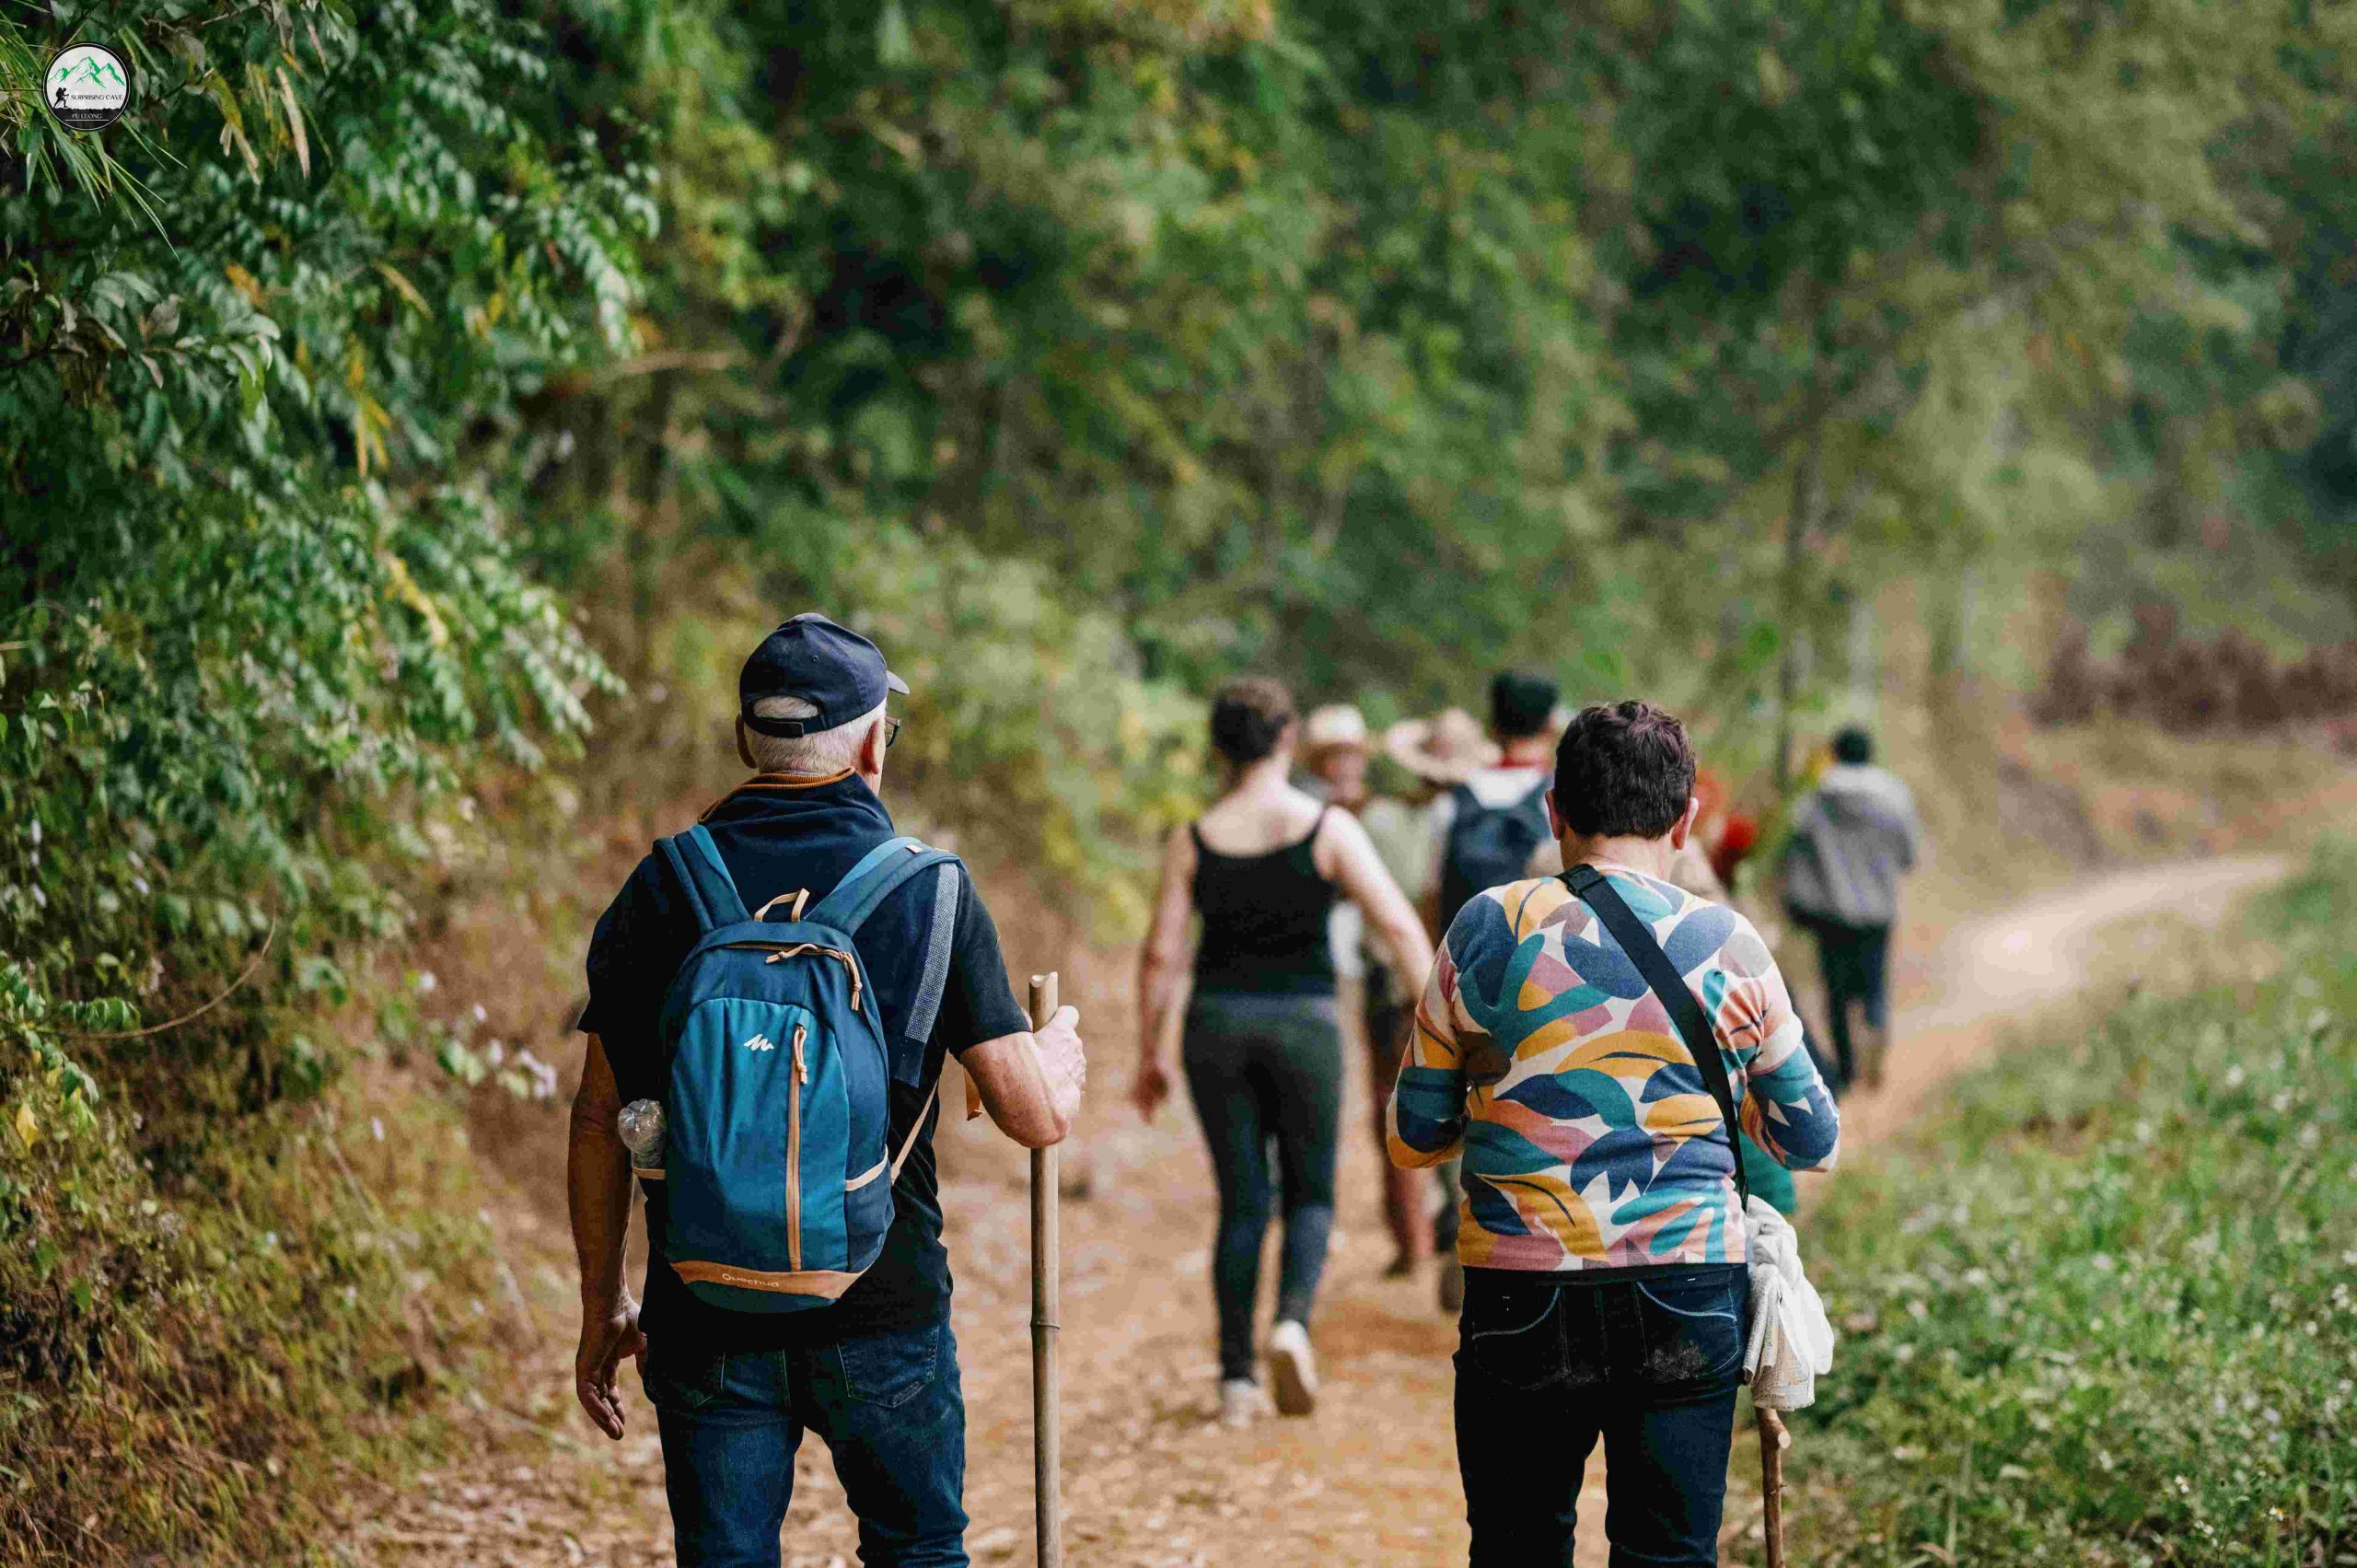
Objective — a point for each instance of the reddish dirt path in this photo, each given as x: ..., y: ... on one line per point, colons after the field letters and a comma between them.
x: 1151, y: 1483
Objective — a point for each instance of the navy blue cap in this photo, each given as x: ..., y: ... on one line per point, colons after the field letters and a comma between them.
x: 831, y: 668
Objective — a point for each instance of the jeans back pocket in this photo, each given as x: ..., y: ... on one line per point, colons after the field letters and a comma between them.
x: 891, y: 1369
x: 677, y: 1379
x: 1693, y: 1327
x: 1516, y: 1335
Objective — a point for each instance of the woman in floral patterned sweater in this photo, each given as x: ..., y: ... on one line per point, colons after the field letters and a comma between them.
x: 1601, y: 1233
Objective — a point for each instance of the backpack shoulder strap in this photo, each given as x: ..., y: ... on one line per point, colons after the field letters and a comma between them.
x: 930, y: 987
x: 695, y: 860
x: 940, y: 940
x: 879, y: 874
x: 1637, y: 940
x: 934, y: 983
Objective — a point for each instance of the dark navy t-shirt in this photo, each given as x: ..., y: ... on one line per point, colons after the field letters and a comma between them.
x: 777, y: 835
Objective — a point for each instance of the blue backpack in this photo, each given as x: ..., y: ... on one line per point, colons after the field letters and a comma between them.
x: 776, y: 1171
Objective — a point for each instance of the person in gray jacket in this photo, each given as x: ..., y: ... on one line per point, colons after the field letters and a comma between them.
x: 1853, y: 836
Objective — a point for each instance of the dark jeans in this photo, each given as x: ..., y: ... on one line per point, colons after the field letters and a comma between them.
x: 1544, y: 1367
x: 1856, y: 962
x: 1266, y: 1071
x: 888, y: 1407
x: 1388, y: 1025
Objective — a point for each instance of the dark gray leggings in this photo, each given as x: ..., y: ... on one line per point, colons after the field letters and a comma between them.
x: 1261, y: 1069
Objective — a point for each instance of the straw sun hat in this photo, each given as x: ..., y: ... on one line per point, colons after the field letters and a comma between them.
x: 1337, y: 726
x: 1443, y: 748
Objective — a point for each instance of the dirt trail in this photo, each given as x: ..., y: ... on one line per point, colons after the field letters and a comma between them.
x: 1151, y: 1483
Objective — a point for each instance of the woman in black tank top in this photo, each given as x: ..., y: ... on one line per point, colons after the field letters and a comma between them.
x: 1265, y: 919
x: 1261, y: 1042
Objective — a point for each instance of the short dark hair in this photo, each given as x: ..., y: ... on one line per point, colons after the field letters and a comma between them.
x: 1623, y: 770
x: 1248, y: 717
x: 1521, y: 702
x: 1853, y: 745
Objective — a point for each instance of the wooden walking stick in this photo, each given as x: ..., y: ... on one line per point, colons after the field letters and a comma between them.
x: 1772, y: 1480
x: 1047, y: 1384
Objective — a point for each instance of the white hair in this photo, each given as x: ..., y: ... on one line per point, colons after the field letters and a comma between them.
x: 806, y: 755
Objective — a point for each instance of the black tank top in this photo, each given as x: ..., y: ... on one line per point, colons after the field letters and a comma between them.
x: 1264, y: 920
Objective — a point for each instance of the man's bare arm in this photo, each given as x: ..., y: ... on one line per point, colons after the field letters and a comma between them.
x: 1030, y: 1083
x: 598, y: 1191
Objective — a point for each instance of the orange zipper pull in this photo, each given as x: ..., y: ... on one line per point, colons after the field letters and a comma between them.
x: 801, y: 1066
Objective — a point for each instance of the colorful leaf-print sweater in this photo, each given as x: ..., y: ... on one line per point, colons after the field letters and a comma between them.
x: 1589, y: 1139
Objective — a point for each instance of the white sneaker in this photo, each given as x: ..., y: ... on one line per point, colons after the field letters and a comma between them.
x: 1293, y: 1366
x: 1240, y: 1403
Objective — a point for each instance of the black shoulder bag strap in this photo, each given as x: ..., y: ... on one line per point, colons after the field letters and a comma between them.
x: 1636, y: 939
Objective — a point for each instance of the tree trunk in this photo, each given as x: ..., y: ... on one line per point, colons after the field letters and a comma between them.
x: 1807, y: 496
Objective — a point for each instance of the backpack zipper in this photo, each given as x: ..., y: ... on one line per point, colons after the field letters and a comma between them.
x: 851, y: 965
x: 793, y: 1152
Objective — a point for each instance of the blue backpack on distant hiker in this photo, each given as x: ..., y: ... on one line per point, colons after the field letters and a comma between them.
x: 777, y: 1172
x: 1488, y: 845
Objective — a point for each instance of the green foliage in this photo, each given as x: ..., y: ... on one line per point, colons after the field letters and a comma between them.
x: 2101, y: 1311
x: 1257, y: 327
x: 264, y: 620
x: 202, y: 1336
x: 260, y: 624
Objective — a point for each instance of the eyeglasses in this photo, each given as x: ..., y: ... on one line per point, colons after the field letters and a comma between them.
x: 891, y: 731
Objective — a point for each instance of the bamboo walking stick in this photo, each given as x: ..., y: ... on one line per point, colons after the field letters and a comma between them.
x: 1047, y: 1384
x: 1772, y: 1480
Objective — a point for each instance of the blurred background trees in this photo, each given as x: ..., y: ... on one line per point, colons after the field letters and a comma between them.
x: 400, y: 386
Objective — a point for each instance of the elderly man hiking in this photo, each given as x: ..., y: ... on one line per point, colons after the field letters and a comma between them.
x: 783, y: 983
x: 1602, y: 1236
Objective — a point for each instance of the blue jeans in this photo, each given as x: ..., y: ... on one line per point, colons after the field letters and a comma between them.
x: 888, y: 1407
x: 1544, y: 1369
x: 1266, y: 1072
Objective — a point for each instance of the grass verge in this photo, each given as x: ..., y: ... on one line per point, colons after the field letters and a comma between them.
x: 2102, y: 1308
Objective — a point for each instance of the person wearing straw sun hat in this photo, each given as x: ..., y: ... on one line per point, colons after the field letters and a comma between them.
x: 1443, y: 749
x: 1336, y: 748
